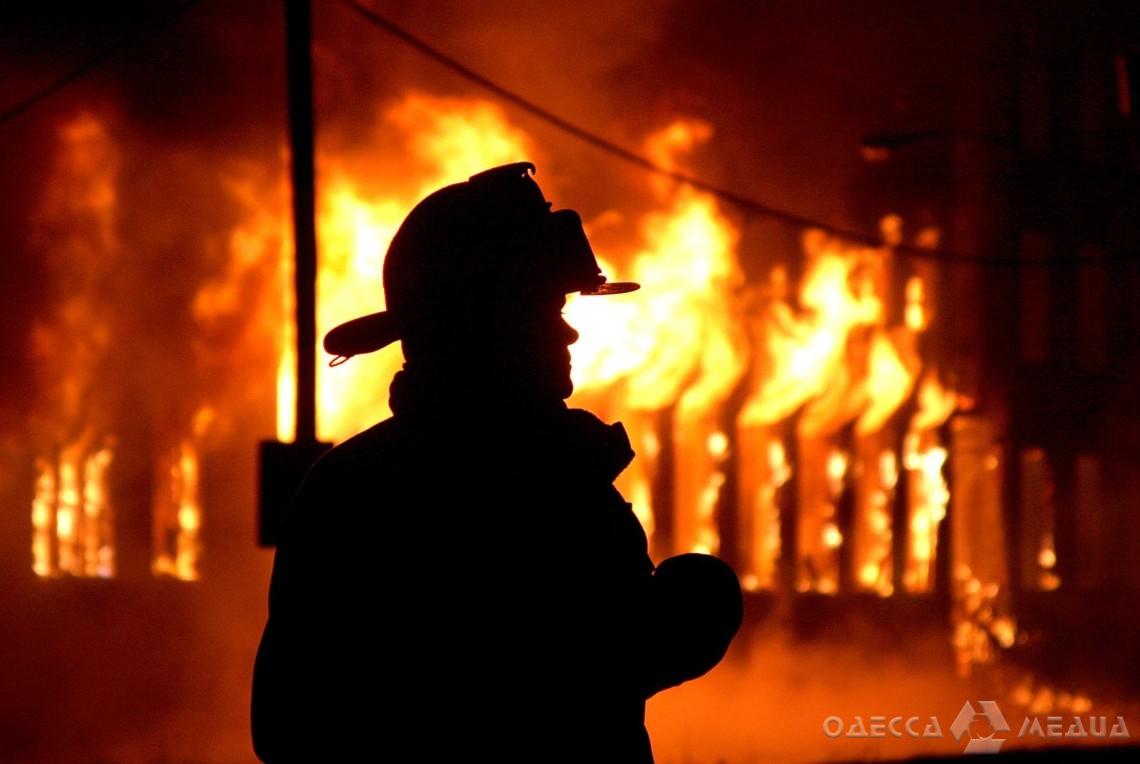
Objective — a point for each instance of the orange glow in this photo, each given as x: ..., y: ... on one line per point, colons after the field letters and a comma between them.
x: 177, y: 513
x: 680, y: 345
x: 832, y: 538
x: 71, y: 515
x: 873, y: 533
x: 449, y: 139
x: 891, y: 372
x: 761, y: 481
x: 43, y: 512
x: 71, y: 512
x: 833, y: 360
x: 287, y: 385
x: 928, y: 492
x: 262, y: 242
x: 67, y: 516
x: 178, y: 523
x: 678, y: 340
x: 915, y: 316
x: 803, y: 354
x: 1047, y: 578
x: 98, y: 551
x: 981, y: 625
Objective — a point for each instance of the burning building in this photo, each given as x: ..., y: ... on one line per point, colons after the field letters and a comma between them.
x: 915, y: 445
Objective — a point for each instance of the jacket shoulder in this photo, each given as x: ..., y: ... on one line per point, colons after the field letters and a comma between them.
x: 367, y: 446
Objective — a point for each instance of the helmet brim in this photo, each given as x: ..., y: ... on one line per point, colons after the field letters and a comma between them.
x: 366, y: 334
x: 376, y: 331
x: 612, y: 287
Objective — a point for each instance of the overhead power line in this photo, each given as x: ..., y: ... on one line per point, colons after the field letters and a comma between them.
x: 102, y: 56
x: 737, y: 199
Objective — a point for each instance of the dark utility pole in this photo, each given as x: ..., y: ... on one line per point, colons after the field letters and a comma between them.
x: 300, y: 73
x: 283, y: 465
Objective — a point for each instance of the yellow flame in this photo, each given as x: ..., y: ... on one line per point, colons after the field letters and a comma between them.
x: 928, y: 492
x: 892, y: 368
x: 75, y: 226
x: 449, y: 139
x: 718, y: 445
x: 99, y: 550
x: 779, y: 473
x: 189, y: 513
x: 1047, y: 578
x: 837, y: 462
x: 178, y: 516
x: 804, y: 355
x: 873, y: 538
x: 915, y: 311
x: 71, y: 514
x: 287, y: 361
x: 935, y: 404
x: 287, y: 388
x: 678, y: 340
x: 980, y: 620
x: 832, y: 538
x: 642, y: 505
x: 67, y: 513
x: 43, y: 512
x: 766, y: 471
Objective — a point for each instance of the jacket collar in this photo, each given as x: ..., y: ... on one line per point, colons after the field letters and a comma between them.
x: 574, y: 439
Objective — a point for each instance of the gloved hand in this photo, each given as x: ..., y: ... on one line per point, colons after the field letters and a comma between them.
x: 695, y: 609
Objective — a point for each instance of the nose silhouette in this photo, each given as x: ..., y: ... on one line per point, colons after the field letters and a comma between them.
x: 569, y: 333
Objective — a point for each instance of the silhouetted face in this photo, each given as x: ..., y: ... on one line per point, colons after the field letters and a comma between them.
x: 528, y: 344
x: 513, y: 344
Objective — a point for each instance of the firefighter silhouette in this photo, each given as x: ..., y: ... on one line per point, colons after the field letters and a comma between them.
x: 462, y: 580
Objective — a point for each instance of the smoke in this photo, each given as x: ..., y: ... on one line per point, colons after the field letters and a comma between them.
x: 789, y: 671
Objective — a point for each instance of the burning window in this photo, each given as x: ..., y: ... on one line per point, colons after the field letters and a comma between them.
x: 72, y: 521
x: 72, y: 513
x: 177, y: 513
x: 804, y: 470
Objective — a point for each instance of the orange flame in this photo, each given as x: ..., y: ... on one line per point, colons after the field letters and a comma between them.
x: 71, y: 515
x: 449, y: 139
x: 767, y: 471
x: 679, y: 340
x: 43, y: 513
x: 178, y: 509
x: 835, y: 361
x: 924, y: 457
x: 71, y: 512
